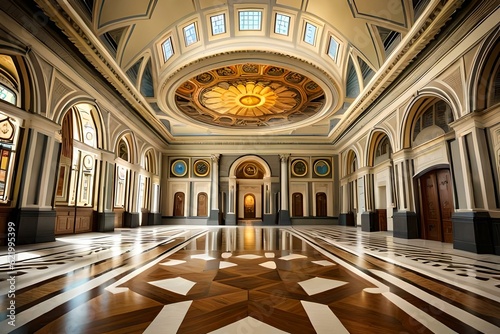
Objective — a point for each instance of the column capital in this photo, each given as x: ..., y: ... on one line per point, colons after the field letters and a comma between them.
x: 215, y: 157
x: 284, y: 157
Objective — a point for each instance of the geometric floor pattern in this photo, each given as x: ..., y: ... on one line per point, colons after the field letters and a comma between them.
x: 253, y: 279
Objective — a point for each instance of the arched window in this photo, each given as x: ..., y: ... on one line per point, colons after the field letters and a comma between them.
x: 352, y: 162
x: 8, y: 139
x: 7, y: 95
x: 432, y: 122
x: 77, y: 164
x: 123, y: 150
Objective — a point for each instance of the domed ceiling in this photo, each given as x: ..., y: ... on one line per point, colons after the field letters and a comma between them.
x: 295, y: 69
x: 249, y: 96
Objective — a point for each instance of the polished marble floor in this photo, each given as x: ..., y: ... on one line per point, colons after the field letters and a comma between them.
x: 247, y: 279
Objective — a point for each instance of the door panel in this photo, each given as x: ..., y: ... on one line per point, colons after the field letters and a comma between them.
x: 297, y: 205
x: 179, y: 204
x: 249, y: 206
x: 446, y: 203
x: 321, y: 205
x: 431, y: 217
x: 437, y: 205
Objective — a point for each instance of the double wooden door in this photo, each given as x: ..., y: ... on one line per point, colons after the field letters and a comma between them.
x: 436, y: 205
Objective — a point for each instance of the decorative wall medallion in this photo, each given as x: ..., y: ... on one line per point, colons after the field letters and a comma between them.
x: 201, y: 168
x: 88, y: 162
x: 250, y: 170
x: 299, y: 167
x: 321, y: 168
x: 6, y: 130
x: 179, y: 168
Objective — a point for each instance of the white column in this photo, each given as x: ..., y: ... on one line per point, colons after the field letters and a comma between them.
x: 284, y: 181
x: 215, y: 181
x: 232, y: 194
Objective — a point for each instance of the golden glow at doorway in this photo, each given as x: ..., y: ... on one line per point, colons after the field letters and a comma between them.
x: 250, y: 99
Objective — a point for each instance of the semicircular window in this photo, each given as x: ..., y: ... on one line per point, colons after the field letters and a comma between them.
x: 432, y: 123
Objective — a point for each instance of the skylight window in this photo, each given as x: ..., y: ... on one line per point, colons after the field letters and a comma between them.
x: 190, y: 35
x: 168, y: 49
x: 333, y: 48
x: 218, y: 24
x: 282, y: 24
x: 310, y: 33
x: 250, y: 20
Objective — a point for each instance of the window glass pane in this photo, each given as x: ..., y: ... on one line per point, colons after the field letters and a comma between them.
x: 282, y: 24
x: 218, y: 24
x: 168, y: 50
x: 190, y: 35
x: 250, y: 20
x: 7, y: 95
x: 310, y: 33
x: 333, y: 48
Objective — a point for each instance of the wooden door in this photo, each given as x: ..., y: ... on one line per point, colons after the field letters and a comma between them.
x: 179, y: 204
x: 297, y: 205
x: 437, y: 205
x: 431, y: 216
x: 249, y: 201
x: 202, y: 205
x: 321, y: 205
x: 446, y: 203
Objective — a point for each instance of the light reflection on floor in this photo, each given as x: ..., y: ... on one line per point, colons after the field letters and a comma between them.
x: 267, y: 279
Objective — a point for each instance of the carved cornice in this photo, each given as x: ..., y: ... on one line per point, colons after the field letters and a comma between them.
x: 253, y: 53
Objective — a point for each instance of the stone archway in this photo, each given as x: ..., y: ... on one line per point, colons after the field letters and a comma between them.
x: 249, y: 178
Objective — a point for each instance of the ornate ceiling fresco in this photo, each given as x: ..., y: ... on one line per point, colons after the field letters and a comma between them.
x: 249, y: 95
x: 201, y: 68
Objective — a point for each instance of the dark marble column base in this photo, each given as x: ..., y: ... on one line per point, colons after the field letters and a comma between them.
x: 284, y: 218
x: 346, y: 219
x: 33, y: 226
x: 105, y: 221
x: 230, y: 219
x: 214, y: 218
x: 405, y: 225
x: 269, y: 219
x: 131, y: 219
x: 472, y: 232
x: 369, y: 221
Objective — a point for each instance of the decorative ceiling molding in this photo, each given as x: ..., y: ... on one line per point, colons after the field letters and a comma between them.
x: 249, y: 95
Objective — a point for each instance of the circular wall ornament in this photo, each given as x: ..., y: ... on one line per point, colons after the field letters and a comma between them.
x: 179, y: 168
x: 88, y: 161
x: 250, y: 170
x: 201, y: 168
x: 299, y: 167
x: 321, y: 168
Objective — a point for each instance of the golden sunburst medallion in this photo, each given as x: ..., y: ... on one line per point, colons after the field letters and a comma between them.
x: 239, y: 98
x: 249, y: 99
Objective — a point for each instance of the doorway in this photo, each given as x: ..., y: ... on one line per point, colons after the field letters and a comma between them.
x: 249, y: 208
x: 321, y: 205
x: 436, y: 198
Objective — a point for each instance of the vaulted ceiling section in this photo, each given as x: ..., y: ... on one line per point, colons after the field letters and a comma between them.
x: 290, y: 69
